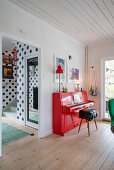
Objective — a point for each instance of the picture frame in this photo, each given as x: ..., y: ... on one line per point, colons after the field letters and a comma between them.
x: 7, y: 59
x: 73, y: 74
x: 7, y: 72
x: 62, y: 62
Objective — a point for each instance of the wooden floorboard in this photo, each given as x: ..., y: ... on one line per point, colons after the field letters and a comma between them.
x: 72, y: 152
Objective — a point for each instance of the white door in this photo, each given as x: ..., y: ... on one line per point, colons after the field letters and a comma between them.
x: 32, y: 111
x: 108, y: 85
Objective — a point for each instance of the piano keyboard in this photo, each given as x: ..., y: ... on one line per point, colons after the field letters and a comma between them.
x: 72, y: 108
x: 82, y: 105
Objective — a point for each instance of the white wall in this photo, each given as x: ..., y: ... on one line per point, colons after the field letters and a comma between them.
x: 0, y: 95
x: 96, y: 54
x: 52, y: 42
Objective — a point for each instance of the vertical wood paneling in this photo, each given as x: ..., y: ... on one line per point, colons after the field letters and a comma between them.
x: 89, y: 21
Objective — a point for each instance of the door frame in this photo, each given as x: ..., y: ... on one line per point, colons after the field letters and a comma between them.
x: 0, y: 96
x: 40, y: 47
x: 28, y: 123
x: 103, y: 104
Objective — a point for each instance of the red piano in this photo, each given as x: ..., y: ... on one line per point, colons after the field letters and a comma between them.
x: 66, y: 108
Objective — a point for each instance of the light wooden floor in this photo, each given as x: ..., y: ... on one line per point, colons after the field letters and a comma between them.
x: 72, y: 152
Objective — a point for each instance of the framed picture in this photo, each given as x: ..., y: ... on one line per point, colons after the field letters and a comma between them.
x: 7, y: 59
x: 73, y: 74
x: 61, y: 62
x: 7, y: 72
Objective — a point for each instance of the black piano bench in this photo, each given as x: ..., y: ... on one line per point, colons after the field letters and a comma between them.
x: 88, y: 114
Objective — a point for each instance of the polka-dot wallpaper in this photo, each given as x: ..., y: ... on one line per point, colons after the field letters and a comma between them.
x: 23, y: 51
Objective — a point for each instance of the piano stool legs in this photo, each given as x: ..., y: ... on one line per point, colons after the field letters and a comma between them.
x: 96, y: 124
x: 87, y: 126
x: 80, y: 125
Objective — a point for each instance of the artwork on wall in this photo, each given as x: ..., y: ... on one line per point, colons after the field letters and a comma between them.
x: 7, y: 59
x: 10, y: 57
x: 7, y: 72
x: 62, y: 63
x: 73, y: 74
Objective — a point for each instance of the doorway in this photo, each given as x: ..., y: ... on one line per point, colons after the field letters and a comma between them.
x: 14, y: 54
x: 20, y: 46
x: 108, y: 85
x: 32, y: 111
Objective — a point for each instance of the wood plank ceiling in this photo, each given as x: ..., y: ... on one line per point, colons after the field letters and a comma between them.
x: 88, y: 21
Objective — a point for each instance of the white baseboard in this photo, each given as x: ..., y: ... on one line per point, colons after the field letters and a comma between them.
x: 45, y: 133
